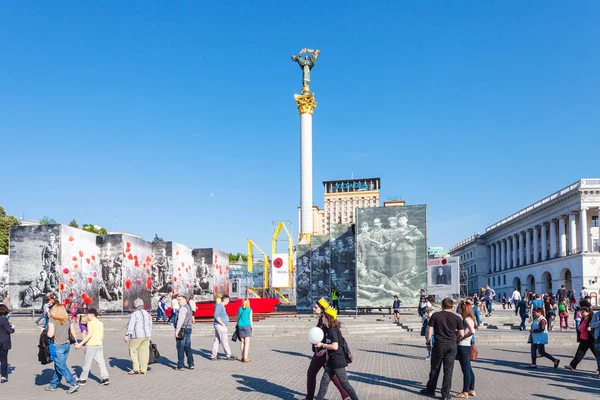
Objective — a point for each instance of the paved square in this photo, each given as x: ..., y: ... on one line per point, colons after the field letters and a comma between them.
x: 382, y: 369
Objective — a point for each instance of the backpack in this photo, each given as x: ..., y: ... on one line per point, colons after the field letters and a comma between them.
x: 561, y: 307
x: 44, y: 356
x: 347, y: 351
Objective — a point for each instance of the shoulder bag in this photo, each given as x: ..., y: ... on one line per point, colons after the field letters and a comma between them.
x: 474, y: 353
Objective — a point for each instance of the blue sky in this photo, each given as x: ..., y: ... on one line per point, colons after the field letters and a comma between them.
x: 178, y: 117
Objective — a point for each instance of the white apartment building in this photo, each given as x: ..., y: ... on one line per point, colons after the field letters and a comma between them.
x: 552, y: 242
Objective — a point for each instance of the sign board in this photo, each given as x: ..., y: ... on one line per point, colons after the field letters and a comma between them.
x: 280, y: 271
x: 443, y: 276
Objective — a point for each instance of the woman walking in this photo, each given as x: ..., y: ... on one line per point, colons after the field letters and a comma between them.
x: 539, y: 338
x: 584, y: 337
x: 319, y: 358
x: 59, y: 328
x: 563, y: 313
x: 336, y: 361
x: 464, y: 352
x: 160, y: 310
x: 6, y: 329
x: 549, y: 311
x: 245, y: 328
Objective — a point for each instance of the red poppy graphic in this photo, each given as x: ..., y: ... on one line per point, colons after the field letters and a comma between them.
x: 87, y: 260
x: 178, y: 268
x: 183, y: 264
x: 75, y: 266
x: 94, y: 274
x: 71, y: 280
x: 148, y: 271
x: 94, y: 258
x: 127, y: 250
x: 216, y: 289
x: 74, y: 258
x: 177, y: 252
x: 86, y: 299
x: 148, y: 259
x: 128, y: 244
x: 138, y: 282
x: 72, y: 294
x: 174, y: 279
x: 149, y: 283
x: 67, y: 302
x: 124, y: 255
x: 130, y: 256
x: 62, y: 286
x: 128, y: 284
x: 71, y: 238
x: 80, y: 253
x: 187, y: 285
x: 66, y: 271
x: 137, y: 264
x: 90, y: 280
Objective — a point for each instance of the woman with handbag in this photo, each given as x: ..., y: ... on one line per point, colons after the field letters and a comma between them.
x: 61, y: 331
x: 319, y: 358
x: 244, y: 328
x: 6, y: 329
x: 585, y: 338
x: 464, y: 352
x: 538, y: 338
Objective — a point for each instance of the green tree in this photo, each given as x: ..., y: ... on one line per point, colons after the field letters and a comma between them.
x: 6, y: 222
x: 234, y: 257
x: 157, y: 239
x: 73, y: 224
x: 47, y: 221
x: 94, y: 229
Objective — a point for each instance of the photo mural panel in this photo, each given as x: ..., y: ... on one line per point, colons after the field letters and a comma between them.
x: 3, y: 276
x: 184, y: 271
x: 303, y: 299
x: 80, y: 272
x: 161, y: 269
x: 221, y: 266
x: 391, y: 253
x: 204, y: 281
x: 320, y: 267
x: 112, y: 251
x: 34, y: 264
x: 343, y: 263
x: 137, y: 273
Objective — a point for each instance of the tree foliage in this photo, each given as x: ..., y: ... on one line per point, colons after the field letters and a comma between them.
x: 47, y: 221
x: 98, y: 230
x: 157, y: 239
x: 234, y: 257
x: 6, y: 222
x: 73, y: 224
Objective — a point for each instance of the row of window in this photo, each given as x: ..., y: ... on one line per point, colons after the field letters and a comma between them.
x: 467, y: 256
x: 492, y: 282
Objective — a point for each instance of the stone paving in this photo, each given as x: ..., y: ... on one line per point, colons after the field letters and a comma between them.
x: 383, y: 369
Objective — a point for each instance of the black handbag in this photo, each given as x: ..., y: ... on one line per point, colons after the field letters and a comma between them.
x: 72, y: 339
x: 154, y: 353
x: 236, y: 334
x: 180, y: 334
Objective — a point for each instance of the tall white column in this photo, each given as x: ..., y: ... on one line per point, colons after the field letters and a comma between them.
x: 553, y: 238
x: 508, y: 253
x: 528, y: 247
x: 572, y: 233
x: 562, y: 236
x: 536, y: 245
x: 544, y: 242
x: 583, y: 230
x: 502, y: 255
x: 306, y: 106
x: 514, y: 252
x: 498, y: 265
x: 492, y: 256
x: 521, y: 249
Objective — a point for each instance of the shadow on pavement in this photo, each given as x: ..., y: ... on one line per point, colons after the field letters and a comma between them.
x: 121, y: 363
x: 292, y: 353
x: 207, y: 354
x: 44, y: 377
x: 394, y: 383
x: 387, y: 353
x: 258, y: 385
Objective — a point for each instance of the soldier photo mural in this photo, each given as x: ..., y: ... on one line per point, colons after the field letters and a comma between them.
x: 343, y: 264
x: 391, y: 254
x: 303, y: 298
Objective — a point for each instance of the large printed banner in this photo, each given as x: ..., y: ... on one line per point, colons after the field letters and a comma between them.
x: 343, y: 263
x: 280, y: 270
x: 303, y: 277
x: 3, y: 276
x: 443, y: 277
x: 391, y: 254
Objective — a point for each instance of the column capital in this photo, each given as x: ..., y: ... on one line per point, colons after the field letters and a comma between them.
x: 583, y: 208
x: 306, y: 103
x: 545, y: 223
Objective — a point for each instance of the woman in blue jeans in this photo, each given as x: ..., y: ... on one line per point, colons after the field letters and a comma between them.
x: 160, y: 310
x: 58, y: 329
x: 464, y: 351
x: 539, y: 338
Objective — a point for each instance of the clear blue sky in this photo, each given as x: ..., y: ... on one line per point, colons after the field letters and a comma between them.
x: 178, y: 117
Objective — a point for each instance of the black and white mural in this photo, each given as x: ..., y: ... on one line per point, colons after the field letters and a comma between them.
x: 34, y: 264
x: 343, y: 263
x: 111, y: 272
x: 3, y: 276
x: 137, y: 275
x: 391, y: 254
x: 161, y: 270
x: 211, y: 273
x: 184, y: 271
x: 320, y: 268
x: 303, y: 282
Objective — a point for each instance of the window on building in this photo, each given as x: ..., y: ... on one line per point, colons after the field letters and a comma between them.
x: 504, y: 279
x: 596, y: 244
x: 594, y: 221
x: 488, y: 281
x: 494, y: 281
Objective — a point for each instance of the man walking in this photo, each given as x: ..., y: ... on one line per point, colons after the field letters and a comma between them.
x: 447, y: 328
x: 220, y: 324
x: 94, y: 349
x: 139, y: 332
x: 516, y: 298
x: 489, y: 295
x: 562, y: 293
x: 183, y: 333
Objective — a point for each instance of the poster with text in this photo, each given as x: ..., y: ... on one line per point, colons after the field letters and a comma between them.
x: 391, y: 252
x: 443, y: 277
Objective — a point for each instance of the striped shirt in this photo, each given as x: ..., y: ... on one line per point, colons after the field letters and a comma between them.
x: 139, y: 325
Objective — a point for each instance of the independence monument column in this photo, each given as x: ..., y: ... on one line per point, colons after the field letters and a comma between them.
x: 306, y: 58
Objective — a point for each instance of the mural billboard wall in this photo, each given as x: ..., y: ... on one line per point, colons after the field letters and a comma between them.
x: 343, y: 263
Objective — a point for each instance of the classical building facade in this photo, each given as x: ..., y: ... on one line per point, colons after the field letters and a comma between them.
x: 552, y: 242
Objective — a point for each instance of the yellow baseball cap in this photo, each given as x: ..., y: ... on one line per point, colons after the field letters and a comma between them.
x: 332, y: 312
x: 324, y: 304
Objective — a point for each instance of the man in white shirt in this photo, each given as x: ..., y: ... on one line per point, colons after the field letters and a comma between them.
x: 583, y: 293
x: 516, y: 298
x: 174, y: 308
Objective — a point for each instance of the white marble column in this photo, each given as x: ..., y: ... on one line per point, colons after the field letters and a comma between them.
x: 521, y: 249
x: 572, y: 233
x: 492, y: 256
x: 536, y: 245
x: 544, y: 242
x: 562, y: 237
x: 508, y: 253
x: 502, y: 255
x: 497, y: 257
x: 514, y: 252
x: 528, y: 247
x: 583, y: 230
x: 553, y: 238
x: 306, y: 106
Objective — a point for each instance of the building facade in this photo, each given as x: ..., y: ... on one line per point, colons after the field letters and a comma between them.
x: 554, y: 242
x: 342, y: 198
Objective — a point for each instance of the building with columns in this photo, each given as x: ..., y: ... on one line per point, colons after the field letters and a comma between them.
x: 552, y: 242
